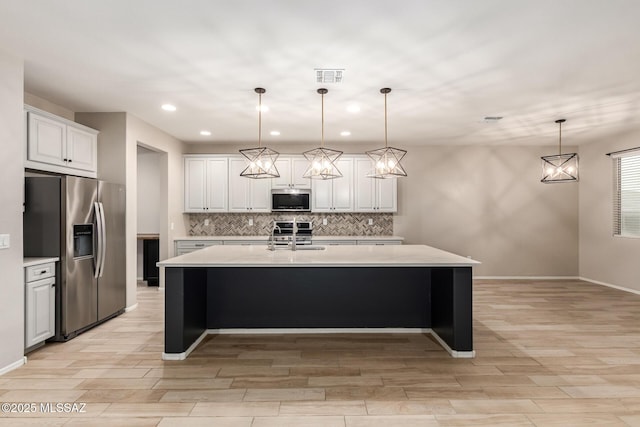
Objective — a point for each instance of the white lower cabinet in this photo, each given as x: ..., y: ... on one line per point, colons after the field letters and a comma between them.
x: 40, y: 295
x: 186, y: 246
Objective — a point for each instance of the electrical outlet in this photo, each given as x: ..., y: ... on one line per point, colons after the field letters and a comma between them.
x: 206, y: 222
x: 5, y: 241
x: 250, y: 221
x: 370, y: 221
x: 324, y: 221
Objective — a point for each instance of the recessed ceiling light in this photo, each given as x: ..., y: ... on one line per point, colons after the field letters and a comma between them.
x: 353, y: 108
x: 264, y: 108
x: 168, y: 107
x: 274, y: 133
x: 345, y: 133
x: 205, y: 133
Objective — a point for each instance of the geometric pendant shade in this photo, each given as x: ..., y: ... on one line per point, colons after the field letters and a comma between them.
x: 386, y: 161
x: 261, y: 160
x: 322, y: 161
x: 560, y: 167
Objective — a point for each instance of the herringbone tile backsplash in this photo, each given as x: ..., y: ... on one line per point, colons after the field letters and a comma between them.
x: 343, y: 224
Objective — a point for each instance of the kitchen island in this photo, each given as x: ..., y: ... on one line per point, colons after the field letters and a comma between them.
x: 412, y: 288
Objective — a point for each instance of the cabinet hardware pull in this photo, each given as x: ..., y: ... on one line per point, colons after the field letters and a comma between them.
x: 70, y: 160
x: 43, y: 271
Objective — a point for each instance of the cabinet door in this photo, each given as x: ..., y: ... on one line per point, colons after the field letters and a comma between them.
x: 260, y: 194
x: 343, y: 187
x: 39, y: 311
x: 82, y: 149
x: 283, y: 164
x: 47, y: 140
x: 195, y: 172
x: 386, y: 194
x: 298, y: 168
x: 239, y: 189
x: 217, y: 183
x: 365, y: 191
x: 321, y: 195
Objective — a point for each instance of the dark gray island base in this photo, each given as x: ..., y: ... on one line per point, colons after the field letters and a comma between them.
x: 202, y: 299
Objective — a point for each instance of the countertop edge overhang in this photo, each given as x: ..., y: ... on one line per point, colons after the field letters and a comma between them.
x: 332, y: 256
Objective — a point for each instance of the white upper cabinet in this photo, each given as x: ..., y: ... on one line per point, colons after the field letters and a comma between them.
x: 58, y: 145
x: 247, y: 194
x: 335, y: 195
x: 205, y: 183
x: 372, y: 194
x: 291, y: 169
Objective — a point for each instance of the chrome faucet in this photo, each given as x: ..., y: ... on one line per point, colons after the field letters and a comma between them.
x: 273, y: 231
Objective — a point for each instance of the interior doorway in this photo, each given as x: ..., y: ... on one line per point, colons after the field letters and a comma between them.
x: 149, y: 213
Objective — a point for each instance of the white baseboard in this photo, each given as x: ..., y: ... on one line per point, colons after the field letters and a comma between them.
x: 131, y: 308
x: 609, y: 285
x: 14, y: 365
x: 183, y: 355
x: 527, y: 277
x: 585, y: 279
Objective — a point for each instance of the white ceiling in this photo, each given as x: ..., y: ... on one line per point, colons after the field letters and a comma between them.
x: 450, y: 63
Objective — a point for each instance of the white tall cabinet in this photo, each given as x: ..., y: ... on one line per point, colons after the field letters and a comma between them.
x: 334, y: 195
x: 373, y: 194
x: 205, y: 184
x: 247, y: 194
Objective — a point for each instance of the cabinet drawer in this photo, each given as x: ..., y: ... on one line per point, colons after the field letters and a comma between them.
x: 40, y: 271
x: 196, y: 244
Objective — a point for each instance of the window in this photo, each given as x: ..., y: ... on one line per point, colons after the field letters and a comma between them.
x: 626, y: 193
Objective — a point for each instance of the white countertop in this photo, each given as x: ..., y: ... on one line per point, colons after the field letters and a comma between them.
x: 265, y: 238
x: 30, y: 261
x: 332, y: 256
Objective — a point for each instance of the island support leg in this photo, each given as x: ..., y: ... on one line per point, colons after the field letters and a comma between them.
x: 185, y: 310
x: 451, y: 308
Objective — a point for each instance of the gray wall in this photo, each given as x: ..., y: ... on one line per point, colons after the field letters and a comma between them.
x: 11, y: 199
x: 485, y: 202
x: 604, y: 258
x: 488, y: 203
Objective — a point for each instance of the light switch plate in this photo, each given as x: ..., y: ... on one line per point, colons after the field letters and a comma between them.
x: 370, y: 221
x: 324, y: 221
x: 5, y: 241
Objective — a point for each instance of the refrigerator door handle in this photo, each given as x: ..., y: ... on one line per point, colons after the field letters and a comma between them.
x: 98, y: 232
x: 104, y: 238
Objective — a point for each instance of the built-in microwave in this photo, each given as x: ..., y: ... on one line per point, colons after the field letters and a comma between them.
x: 291, y: 200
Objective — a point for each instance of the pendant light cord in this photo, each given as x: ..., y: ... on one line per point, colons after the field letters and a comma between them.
x: 259, y: 119
x: 560, y: 139
x: 322, y: 131
x: 385, y: 121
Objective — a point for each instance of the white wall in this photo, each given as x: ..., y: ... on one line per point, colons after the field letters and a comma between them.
x: 11, y: 199
x: 604, y: 258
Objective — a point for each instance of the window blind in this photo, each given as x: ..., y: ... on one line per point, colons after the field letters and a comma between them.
x: 626, y: 193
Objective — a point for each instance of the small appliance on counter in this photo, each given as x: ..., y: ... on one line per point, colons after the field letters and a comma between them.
x: 81, y: 221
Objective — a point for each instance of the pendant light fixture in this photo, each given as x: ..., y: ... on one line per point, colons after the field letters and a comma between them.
x: 262, y: 160
x: 386, y: 161
x: 322, y: 160
x: 560, y: 167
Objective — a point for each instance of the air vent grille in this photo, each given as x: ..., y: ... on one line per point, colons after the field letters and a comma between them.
x: 329, y: 75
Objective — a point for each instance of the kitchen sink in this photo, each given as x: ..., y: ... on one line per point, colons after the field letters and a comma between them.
x: 299, y: 248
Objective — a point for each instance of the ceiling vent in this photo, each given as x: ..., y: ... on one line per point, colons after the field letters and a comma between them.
x: 329, y: 75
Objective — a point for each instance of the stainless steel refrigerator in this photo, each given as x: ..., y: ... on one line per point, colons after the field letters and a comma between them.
x: 82, y: 221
